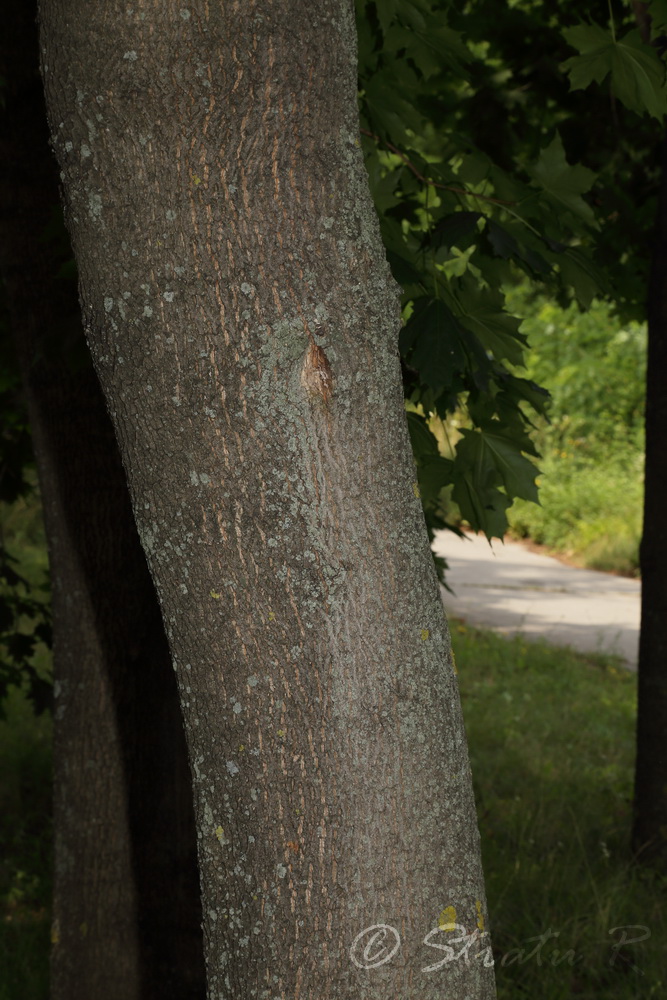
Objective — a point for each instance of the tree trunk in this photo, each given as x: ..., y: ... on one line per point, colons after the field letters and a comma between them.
x: 244, y: 325
x: 650, y: 803
x: 126, y: 907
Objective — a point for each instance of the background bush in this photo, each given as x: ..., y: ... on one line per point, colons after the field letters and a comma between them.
x: 592, y: 449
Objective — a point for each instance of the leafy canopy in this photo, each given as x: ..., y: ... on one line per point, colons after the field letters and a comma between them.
x: 467, y: 128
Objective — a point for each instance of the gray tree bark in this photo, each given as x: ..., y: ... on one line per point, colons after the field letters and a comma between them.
x: 120, y: 769
x: 244, y: 325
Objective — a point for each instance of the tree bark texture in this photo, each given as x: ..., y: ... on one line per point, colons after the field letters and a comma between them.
x: 650, y: 800
x: 244, y: 325
x: 126, y: 908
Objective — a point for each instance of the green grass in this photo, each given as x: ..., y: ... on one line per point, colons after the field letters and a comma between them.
x: 25, y: 851
x: 551, y: 735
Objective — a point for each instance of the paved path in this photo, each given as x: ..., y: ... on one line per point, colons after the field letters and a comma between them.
x: 510, y: 589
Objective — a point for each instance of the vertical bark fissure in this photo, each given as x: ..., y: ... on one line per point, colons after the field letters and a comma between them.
x: 244, y: 327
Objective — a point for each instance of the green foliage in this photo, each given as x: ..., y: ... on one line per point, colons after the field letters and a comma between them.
x: 25, y: 626
x: 563, y: 183
x: 591, y: 484
x: 454, y: 224
x: 475, y: 148
x: 657, y: 12
x: 637, y: 72
x: 590, y: 508
x: 460, y: 216
x: 594, y: 368
x: 25, y: 613
x: 25, y: 620
x: 25, y: 608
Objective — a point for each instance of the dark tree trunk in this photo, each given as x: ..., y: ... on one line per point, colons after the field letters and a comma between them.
x: 650, y: 804
x: 126, y: 911
x: 244, y: 326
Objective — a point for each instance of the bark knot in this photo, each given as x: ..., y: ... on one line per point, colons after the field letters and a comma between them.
x: 316, y: 374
